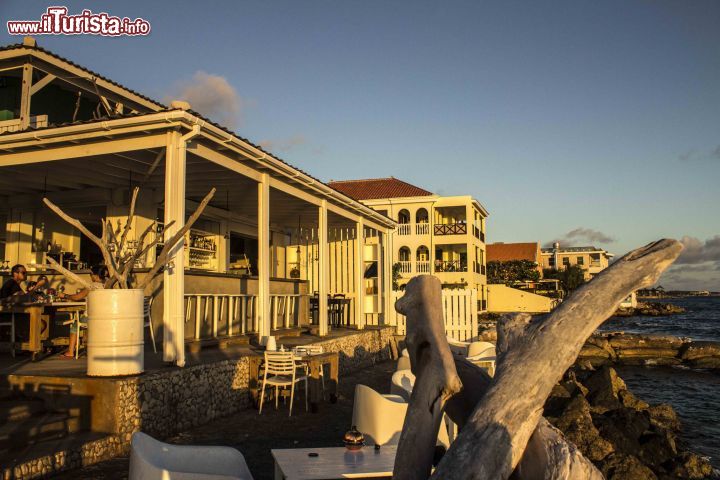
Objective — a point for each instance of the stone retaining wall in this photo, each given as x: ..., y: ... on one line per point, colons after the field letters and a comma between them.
x: 165, y: 402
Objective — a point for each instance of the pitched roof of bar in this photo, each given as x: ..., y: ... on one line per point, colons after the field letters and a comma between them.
x: 373, y: 188
x: 157, y: 107
x: 33, y: 49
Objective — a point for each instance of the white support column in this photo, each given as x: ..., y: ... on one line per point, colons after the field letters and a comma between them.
x: 264, y: 312
x: 360, y: 274
x: 25, y: 96
x: 174, y: 275
x: 323, y: 271
x: 385, y: 271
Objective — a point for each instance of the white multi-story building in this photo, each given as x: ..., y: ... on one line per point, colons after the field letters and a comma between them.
x: 438, y: 235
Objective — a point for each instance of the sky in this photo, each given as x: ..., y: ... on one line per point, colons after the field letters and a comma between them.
x: 591, y: 123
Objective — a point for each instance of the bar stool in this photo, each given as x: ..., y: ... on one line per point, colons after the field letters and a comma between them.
x: 75, y: 318
x: 11, y: 324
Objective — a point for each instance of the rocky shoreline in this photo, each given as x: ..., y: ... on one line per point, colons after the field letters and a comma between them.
x: 625, y: 437
x: 651, y: 309
x: 619, y: 348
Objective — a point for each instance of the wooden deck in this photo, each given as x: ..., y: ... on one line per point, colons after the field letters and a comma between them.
x: 56, y: 366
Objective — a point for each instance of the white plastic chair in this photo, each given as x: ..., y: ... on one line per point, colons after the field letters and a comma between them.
x: 147, y: 315
x: 402, y: 384
x: 282, y: 369
x: 151, y: 459
x: 379, y: 417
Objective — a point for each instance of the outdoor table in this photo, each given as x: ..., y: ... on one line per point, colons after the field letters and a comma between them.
x: 333, y: 463
x: 315, y: 364
x: 41, y: 316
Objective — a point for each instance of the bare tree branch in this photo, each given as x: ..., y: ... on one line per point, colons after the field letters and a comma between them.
x: 128, y: 223
x: 72, y: 276
x: 162, y: 259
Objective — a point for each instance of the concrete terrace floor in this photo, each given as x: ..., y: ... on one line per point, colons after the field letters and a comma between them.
x: 255, y: 435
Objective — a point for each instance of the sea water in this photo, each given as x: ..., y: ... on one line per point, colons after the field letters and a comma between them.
x: 694, y: 394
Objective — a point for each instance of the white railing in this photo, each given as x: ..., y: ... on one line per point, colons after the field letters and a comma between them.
x: 459, y: 311
x: 423, y: 267
x: 403, y: 229
x: 285, y: 310
x: 237, y: 312
x: 405, y: 266
x: 422, y: 229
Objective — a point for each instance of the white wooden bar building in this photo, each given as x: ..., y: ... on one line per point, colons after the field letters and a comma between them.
x: 272, y: 236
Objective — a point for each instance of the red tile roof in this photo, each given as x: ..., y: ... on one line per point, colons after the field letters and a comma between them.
x: 513, y: 251
x: 373, y: 188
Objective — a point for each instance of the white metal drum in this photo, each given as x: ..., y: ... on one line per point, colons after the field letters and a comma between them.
x: 115, y: 343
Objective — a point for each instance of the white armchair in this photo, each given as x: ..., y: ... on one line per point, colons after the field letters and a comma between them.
x: 481, y: 349
x: 403, y: 363
x: 379, y: 417
x: 402, y: 384
x: 151, y: 459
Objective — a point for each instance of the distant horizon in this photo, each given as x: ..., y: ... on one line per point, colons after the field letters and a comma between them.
x: 583, y: 122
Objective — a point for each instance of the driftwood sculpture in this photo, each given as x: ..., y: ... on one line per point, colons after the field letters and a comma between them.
x: 435, y: 377
x: 118, y: 259
x: 532, y: 357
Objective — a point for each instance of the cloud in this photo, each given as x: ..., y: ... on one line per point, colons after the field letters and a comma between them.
x: 580, y: 235
x: 696, y: 251
x: 695, y: 155
x: 687, y: 156
x: 691, y: 277
x: 716, y: 153
x: 283, y: 144
x: 211, y: 96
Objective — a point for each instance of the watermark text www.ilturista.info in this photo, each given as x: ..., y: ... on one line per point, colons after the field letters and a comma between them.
x: 56, y: 21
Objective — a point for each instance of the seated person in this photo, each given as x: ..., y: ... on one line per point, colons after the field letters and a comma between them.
x: 13, y: 286
x: 98, y: 275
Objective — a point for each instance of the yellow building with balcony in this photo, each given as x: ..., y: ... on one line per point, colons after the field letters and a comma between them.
x: 437, y: 235
x: 591, y: 259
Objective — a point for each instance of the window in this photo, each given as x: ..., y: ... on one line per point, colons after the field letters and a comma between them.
x: 404, y: 254
x: 580, y: 261
x: 566, y: 261
x: 422, y: 254
x: 403, y: 216
x: 421, y: 216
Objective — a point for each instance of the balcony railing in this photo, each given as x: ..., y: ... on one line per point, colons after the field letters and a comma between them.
x: 450, y: 266
x: 403, y: 229
x: 423, y: 267
x: 405, y: 266
x: 450, y: 228
x: 422, y: 229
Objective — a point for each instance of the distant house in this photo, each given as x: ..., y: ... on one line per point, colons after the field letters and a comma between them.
x: 438, y: 235
x: 591, y: 259
x: 504, y: 252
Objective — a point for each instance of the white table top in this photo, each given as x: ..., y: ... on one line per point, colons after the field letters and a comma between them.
x: 337, y: 462
x: 66, y: 304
